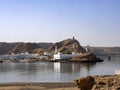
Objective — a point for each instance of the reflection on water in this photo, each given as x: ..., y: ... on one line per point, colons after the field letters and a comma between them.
x: 62, y: 67
x: 72, y: 67
x: 55, y: 72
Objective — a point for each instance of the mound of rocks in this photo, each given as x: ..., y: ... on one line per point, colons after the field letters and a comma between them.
x: 85, y: 83
x: 104, y: 82
x: 87, y: 57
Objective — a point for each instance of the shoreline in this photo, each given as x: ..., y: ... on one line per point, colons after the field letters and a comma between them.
x: 101, y: 82
x: 48, y: 60
x: 38, y: 86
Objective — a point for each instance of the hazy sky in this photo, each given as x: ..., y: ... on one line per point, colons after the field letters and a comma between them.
x: 92, y: 22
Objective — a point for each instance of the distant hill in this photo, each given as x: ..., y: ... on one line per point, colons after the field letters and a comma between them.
x: 45, y: 45
x: 6, y: 47
x: 105, y: 50
x: 20, y: 47
x: 24, y: 47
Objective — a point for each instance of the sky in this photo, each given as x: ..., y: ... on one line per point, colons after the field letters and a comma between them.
x: 91, y: 22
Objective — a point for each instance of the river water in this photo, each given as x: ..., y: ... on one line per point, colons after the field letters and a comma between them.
x: 55, y: 71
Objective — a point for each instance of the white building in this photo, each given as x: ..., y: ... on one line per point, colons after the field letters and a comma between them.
x: 117, y: 72
x: 47, y: 54
x: 59, y: 56
x: 19, y: 56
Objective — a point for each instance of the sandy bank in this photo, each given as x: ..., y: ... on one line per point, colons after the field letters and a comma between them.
x: 38, y: 86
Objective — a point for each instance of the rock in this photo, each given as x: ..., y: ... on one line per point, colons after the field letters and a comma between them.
x: 85, y: 83
x: 104, y: 82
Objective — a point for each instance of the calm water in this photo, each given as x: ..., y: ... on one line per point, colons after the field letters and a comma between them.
x: 55, y: 72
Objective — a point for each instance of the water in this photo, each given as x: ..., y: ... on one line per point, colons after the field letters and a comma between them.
x: 55, y: 72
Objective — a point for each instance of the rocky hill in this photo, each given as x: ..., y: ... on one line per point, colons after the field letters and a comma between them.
x: 65, y: 46
x: 68, y: 46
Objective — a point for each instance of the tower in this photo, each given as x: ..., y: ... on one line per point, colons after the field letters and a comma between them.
x: 56, y: 50
x: 73, y: 38
x: 87, y: 48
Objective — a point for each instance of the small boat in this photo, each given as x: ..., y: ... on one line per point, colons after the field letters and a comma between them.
x: 109, y: 58
x: 1, y: 61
